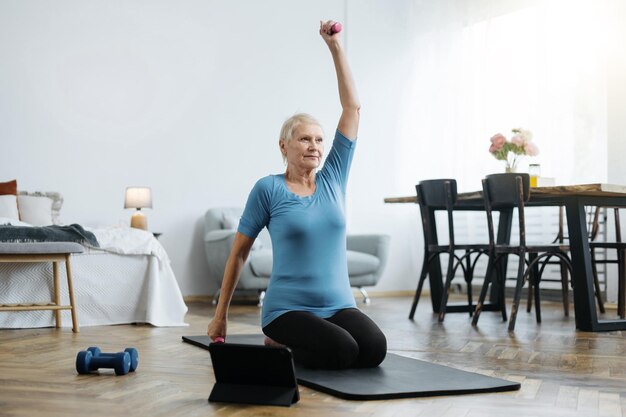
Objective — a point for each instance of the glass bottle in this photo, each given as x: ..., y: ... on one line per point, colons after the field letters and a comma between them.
x: 534, y: 171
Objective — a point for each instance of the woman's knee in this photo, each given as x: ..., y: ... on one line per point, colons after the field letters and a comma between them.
x: 371, y: 341
x: 340, y: 353
x: 343, y: 353
x: 332, y: 354
x: 373, y: 351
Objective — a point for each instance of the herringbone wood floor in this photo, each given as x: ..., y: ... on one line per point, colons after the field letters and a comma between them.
x: 563, y: 372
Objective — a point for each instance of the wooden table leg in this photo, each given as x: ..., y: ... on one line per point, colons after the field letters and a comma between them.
x: 582, y: 276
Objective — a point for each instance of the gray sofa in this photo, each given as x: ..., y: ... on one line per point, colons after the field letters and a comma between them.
x: 367, y: 254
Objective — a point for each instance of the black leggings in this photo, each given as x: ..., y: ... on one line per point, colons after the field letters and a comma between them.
x: 346, y: 340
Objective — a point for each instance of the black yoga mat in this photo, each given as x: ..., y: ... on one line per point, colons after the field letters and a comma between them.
x: 396, y: 377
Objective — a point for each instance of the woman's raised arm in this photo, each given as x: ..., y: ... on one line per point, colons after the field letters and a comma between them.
x: 350, y: 104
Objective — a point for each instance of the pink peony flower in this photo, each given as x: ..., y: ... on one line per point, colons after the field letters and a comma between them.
x: 497, y: 142
x: 518, y: 140
x: 521, y: 136
x: 525, y: 134
x: 531, y: 149
x: 519, y: 145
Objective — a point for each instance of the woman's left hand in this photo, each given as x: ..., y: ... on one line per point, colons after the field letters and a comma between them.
x: 327, y: 33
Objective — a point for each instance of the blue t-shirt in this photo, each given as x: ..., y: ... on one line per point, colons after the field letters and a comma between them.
x: 310, y: 268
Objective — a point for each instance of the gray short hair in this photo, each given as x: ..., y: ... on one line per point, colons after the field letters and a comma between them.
x: 286, y: 132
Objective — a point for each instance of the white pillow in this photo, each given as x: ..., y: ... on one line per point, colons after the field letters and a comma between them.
x: 35, y: 210
x: 39, y: 208
x: 12, y: 222
x: 8, y: 206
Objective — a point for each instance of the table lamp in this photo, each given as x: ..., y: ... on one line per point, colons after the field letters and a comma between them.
x: 138, y: 198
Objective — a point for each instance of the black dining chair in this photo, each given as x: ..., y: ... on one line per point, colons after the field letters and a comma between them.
x: 563, y: 280
x: 510, y: 191
x: 593, y: 230
x: 441, y: 195
x: 620, y: 260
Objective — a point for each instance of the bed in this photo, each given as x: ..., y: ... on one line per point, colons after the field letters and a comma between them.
x: 128, y: 279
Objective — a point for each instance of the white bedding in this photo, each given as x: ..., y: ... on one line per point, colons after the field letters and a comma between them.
x: 128, y: 241
x: 128, y: 280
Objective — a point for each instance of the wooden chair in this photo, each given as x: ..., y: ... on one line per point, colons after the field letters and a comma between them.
x: 54, y: 252
x: 512, y: 191
x: 441, y: 194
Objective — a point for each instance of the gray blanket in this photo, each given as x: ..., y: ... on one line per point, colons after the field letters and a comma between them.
x: 71, y: 233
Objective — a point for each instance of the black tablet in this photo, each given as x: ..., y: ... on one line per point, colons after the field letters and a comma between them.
x: 253, y: 374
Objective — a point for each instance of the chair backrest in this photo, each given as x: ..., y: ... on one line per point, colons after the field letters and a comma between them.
x: 437, y: 194
x: 219, y: 218
x: 215, y: 218
x: 433, y: 193
x: 506, y: 191
x: 595, y: 223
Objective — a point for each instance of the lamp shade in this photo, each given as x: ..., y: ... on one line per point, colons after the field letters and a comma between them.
x: 138, y: 197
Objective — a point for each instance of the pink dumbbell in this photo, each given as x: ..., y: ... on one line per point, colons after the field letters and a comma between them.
x: 219, y: 340
x: 336, y: 28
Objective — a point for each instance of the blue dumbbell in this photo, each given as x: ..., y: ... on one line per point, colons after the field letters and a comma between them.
x: 134, y: 355
x: 86, y: 362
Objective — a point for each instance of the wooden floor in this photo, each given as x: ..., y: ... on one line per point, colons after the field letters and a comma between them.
x: 562, y: 372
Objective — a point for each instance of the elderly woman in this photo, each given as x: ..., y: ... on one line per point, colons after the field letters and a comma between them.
x: 309, y: 305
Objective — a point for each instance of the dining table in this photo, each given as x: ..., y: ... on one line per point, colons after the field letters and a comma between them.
x: 574, y: 198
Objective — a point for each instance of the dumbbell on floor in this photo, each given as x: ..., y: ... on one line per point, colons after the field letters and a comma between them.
x: 92, y: 359
x: 134, y: 355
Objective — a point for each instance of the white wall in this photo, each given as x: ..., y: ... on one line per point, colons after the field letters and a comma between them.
x: 380, y: 50
x: 188, y: 96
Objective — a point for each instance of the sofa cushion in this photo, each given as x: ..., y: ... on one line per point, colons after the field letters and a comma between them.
x: 360, y: 263
x: 261, y: 262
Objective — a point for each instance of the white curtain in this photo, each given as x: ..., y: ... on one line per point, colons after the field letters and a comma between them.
x: 452, y: 73
x: 482, y: 67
